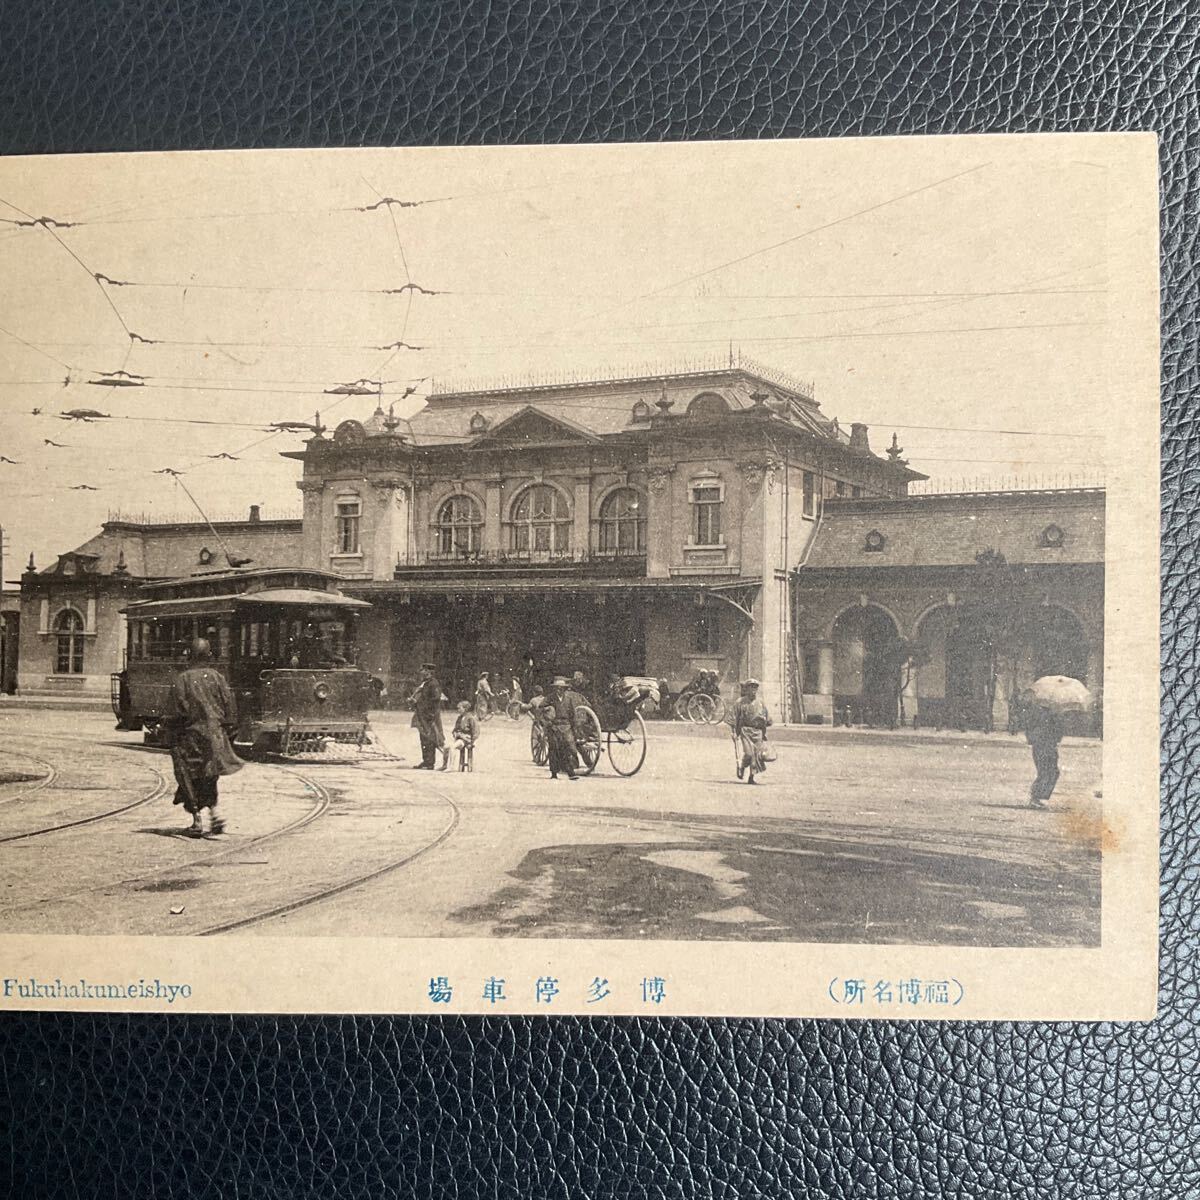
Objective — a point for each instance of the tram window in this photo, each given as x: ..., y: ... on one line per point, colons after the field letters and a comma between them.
x: 253, y: 628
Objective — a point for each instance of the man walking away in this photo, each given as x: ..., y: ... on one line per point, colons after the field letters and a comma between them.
x: 427, y: 720
x: 200, y: 715
x: 1043, y: 731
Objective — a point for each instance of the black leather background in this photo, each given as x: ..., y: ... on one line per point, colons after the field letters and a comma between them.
x: 240, y: 1107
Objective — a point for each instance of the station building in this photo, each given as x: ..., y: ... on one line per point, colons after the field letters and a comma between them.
x: 71, y: 628
x: 636, y: 526
x: 654, y: 525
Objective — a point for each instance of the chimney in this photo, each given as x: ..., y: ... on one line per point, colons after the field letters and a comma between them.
x: 858, y: 438
x: 255, y: 514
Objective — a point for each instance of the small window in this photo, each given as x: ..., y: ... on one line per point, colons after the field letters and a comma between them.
x: 874, y: 542
x: 810, y: 494
x: 641, y: 412
x: 68, y: 632
x: 707, y: 638
x: 479, y: 423
x: 707, y: 501
x: 856, y: 493
x: 206, y: 556
x: 839, y: 488
x: 349, y: 514
x: 459, y: 527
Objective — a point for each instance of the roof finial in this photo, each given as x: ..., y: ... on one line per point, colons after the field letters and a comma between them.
x: 31, y: 568
x: 664, y: 402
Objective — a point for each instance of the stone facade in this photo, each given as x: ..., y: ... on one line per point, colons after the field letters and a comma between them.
x: 642, y: 525
x: 941, y: 608
x: 72, y: 630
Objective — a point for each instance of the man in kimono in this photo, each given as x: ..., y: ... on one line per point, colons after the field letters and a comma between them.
x: 750, y: 722
x: 427, y: 720
x: 200, y: 715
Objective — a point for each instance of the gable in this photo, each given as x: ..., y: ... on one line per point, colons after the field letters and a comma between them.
x: 530, y: 426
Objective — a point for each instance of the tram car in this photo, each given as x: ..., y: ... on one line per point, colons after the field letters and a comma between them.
x: 285, y: 639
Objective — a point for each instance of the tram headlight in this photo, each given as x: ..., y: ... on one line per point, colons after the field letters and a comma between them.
x: 321, y: 691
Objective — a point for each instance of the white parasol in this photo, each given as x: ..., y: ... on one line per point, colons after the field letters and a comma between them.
x: 1060, y: 694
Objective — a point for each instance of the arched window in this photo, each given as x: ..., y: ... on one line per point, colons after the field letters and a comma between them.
x: 541, y: 521
x: 68, y: 632
x: 459, y: 526
x: 708, y: 404
x: 622, y: 523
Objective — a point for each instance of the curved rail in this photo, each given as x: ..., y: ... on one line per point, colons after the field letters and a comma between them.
x: 347, y: 885
x: 51, y: 776
x: 159, y: 789
x: 319, y: 809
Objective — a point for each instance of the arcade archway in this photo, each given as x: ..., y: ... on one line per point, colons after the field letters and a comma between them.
x: 866, y: 667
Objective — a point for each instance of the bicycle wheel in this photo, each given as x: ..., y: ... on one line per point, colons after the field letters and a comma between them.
x: 700, y: 708
x: 588, y: 738
x: 539, y: 745
x: 627, y: 746
x: 485, y: 713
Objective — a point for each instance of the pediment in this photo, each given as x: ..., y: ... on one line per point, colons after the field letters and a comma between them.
x: 532, y: 427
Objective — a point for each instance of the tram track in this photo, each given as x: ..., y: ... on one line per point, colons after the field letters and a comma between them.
x: 324, y: 799
x: 50, y: 776
x: 159, y: 789
x: 345, y: 885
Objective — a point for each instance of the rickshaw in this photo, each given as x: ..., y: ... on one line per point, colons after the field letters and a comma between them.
x: 615, y: 725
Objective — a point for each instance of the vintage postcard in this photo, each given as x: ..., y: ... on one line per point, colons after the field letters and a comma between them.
x: 713, y: 579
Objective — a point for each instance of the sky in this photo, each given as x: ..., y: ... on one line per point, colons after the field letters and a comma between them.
x: 952, y: 290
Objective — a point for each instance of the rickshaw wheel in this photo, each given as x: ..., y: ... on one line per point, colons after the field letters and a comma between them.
x: 718, y: 710
x: 539, y: 746
x: 679, y: 709
x: 627, y: 746
x: 701, y: 708
x: 588, y: 738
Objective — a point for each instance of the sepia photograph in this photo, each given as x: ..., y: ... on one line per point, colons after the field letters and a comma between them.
x: 711, y: 578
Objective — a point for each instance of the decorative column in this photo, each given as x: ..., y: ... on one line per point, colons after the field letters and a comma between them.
x: 581, y: 533
x: 491, y: 515
x: 312, y: 536
x: 659, y: 522
x: 390, y: 535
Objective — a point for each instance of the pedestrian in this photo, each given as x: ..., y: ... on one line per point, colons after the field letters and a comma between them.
x: 528, y: 673
x: 466, y: 731
x: 427, y: 720
x: 200, y: 715
x: 1043, y: 732
x: 561, y: 727
x: 750, y: 722
x: 484, y: 697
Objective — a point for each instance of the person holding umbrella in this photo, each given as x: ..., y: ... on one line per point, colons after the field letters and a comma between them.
x: 1045, y: 704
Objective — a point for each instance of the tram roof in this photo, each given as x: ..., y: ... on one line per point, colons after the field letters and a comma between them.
x: 201, y: 582
x: 287, y: 597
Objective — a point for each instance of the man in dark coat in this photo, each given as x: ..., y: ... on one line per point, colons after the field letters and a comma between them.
x: 559, y: 709
x: 427, y: 720
x: 200, y: 715
x: 1043, y: 732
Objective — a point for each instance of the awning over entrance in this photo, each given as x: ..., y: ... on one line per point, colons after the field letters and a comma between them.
x: 377, y: 590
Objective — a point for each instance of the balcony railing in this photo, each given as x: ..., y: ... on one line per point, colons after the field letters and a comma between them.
x: 571, y: 561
